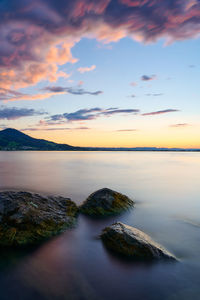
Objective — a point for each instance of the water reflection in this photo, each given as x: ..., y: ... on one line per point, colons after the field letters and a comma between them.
x: 75, y: 265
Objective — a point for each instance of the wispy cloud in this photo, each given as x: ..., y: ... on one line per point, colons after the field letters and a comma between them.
x: 91, y: 114
x: 179, y: 125
x: 111, y: 111
x: 71, y: 90
x: 126, y: 130
x: 54, y: 128
x: 148, y: 78
x: 7, y: 95
x: 81, y: 82
x: 14, y: 113
x: 160, y: 112
x: 86, y: 69
x: 154, y: 95
x: 133, y: 83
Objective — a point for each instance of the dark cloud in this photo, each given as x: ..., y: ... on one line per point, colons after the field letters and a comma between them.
x: 37, y: 36
x: 148, y: 78
x: 14, y: 113
x: 160, y: 112
x: 72, y: 90
x: 90, y: 114
x: 109, y: 112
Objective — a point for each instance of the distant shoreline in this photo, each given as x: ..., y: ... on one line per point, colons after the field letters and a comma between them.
x: 102, y: 150
x: 14, y: 140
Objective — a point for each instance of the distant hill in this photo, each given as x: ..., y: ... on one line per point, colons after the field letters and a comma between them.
x: 12, y: 139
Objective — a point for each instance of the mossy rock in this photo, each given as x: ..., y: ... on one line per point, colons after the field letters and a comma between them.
x: 27, y: 218
x: 105, y: 202
x: 132, y: 243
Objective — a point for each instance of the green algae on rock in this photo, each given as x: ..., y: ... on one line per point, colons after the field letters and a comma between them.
x: 27, y: 218
x: 133, y: 243
x: 105, y: 202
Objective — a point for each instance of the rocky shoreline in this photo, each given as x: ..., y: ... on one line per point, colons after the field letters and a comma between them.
x: 29, y: 219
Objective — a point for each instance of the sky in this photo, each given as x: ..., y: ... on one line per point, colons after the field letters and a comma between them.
x: 121, y: 73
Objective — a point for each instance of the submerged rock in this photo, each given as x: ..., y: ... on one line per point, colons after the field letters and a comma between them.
x: 27, y: 218
x: 105, y: 202
x: 133, y: 243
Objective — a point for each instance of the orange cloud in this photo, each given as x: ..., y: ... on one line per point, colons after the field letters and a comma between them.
x: 86, y: 69
x: 33, y: 97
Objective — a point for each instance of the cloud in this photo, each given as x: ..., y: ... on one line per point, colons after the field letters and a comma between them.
x: 6, y: 94
x: 133, y: 83
x: 71, y: 90
x: 54, y: 129
x: 3, y: 126
x: 44, y: 123
x: 90, y: 114
x: 37, y: 36
x: 14, y: 113
x: 111, y: 111
x: 160, y: 112
x: 180, y: 125
x: 148, y: 78
x: 154, y: 95
x: 86, y: 69
x: 126, y: 130
x: 81, y: 82
x: 12, y: 95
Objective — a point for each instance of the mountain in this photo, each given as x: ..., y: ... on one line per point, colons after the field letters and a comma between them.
x: 12, y: 139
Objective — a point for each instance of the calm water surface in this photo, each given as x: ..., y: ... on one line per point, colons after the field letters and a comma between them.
x: 75, y: 265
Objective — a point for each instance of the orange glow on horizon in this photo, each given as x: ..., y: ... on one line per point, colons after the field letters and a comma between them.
x: 185, y: 138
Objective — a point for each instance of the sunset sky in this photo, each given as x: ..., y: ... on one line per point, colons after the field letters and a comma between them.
x: 102, y: 73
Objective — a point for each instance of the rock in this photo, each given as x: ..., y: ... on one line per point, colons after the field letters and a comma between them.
x: 27, y: 218
x: 133, y: 243
x: 105, y: 202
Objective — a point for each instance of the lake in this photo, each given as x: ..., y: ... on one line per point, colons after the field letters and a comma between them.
x: 75, y: 265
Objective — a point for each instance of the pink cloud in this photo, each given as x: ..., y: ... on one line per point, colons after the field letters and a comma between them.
x: 37, y: 36
x: 86, y: 69
x: 133, y: 83
x: 83, y: 7
x: 81, y: 82
x: 160, y: 112
x: 12, y: 95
